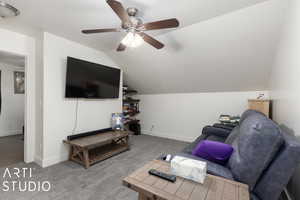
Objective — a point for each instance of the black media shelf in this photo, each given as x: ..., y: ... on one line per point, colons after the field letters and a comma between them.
x: 131, y: 110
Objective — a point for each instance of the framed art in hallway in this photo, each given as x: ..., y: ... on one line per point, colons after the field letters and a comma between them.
x: 19, y: 82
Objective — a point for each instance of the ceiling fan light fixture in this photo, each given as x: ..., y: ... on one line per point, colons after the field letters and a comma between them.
x: 132, y: 40
x: 7, y: 10
x: 134, y: 27
x: 128, y: 39
x: 138, y: 40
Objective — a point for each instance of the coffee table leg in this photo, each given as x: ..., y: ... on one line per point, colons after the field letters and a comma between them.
x: 143, y: 197
x: 71, y: 152
x: 86, y: 158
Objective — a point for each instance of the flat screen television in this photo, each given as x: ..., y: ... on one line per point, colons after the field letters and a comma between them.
x: 90, y: 80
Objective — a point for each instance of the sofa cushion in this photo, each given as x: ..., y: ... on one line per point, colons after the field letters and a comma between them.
x: 213, y: 151
x: 212, y: 168
x: 258, y: 140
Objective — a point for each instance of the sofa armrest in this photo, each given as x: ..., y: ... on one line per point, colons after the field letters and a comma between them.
x: 282, y: 168
x: 220, y: 132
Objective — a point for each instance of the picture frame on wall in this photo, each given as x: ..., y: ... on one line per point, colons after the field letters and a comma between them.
x: 19, y: 82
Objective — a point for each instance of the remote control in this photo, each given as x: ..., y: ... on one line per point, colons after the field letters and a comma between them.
x: 162, y: 175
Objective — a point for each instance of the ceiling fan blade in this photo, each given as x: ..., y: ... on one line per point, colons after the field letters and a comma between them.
x: 121, y: 47
x: 168, y: 23
x: 150, y: 40
x: 100, y: 30
x: 120, y: 11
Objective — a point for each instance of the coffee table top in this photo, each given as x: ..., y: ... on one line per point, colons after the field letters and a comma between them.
x: 94, y: 140
x: 214, y: 188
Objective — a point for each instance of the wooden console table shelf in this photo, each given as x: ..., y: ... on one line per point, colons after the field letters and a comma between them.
x: 92, y: 149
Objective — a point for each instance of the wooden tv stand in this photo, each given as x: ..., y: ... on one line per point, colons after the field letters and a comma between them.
x: 92, y: 149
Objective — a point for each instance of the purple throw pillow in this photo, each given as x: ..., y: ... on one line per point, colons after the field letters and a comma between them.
x: 216, y: 152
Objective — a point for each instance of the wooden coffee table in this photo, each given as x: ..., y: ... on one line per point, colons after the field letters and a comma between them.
x: 153, y: 188
x: 92, y: 149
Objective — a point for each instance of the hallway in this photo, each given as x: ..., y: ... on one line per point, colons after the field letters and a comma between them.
x: 11, y: 150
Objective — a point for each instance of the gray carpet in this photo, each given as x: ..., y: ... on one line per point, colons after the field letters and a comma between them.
x: 11, y: 150
x: 102, y: 181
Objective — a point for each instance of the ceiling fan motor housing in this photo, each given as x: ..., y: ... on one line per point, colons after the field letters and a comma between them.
x: 136, y: 21
x: 132, y: 11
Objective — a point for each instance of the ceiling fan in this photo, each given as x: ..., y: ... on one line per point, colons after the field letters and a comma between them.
x: 134, y: 27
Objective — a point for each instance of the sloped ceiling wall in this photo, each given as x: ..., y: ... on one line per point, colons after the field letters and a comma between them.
x: 68, y: 17
x: 233, y: 52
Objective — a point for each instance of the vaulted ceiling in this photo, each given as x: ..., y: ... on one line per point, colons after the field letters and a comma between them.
x: 232, y: 52
x: 225, y: 45
x: 68, y: 17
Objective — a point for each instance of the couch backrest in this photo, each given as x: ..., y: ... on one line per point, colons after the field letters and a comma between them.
x: 248, y: 113
x: 276, y: 176
x: 236, y: 131
x: 258, y: 141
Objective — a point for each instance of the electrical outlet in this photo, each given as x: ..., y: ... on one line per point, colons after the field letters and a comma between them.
x: 152, y: 127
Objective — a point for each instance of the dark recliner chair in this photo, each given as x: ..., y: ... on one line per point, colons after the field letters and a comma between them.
x: 264, y: 156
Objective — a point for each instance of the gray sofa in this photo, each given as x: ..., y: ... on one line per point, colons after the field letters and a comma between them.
x: 264, y: 156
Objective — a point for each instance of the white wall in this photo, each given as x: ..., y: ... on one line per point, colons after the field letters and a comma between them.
x: 13, y: 105
x: 182, y: 116
x: 59, y: 112
x: 39, y: 98
x: 285, y: 82
x: 23, y: 45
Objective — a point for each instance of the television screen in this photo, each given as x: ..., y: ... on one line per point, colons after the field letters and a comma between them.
x: 90, y: 80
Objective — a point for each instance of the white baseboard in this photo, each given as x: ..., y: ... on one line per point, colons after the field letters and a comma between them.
x: 4, y: 133
x: 38, y: 160
x: 168, y: 135
x: 46, y: 162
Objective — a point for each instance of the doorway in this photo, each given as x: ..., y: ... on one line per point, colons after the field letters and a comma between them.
x: 12, y: 108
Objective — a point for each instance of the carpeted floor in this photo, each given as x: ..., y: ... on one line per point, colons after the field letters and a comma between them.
x: 11, y: 150
x: 102, y: 181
